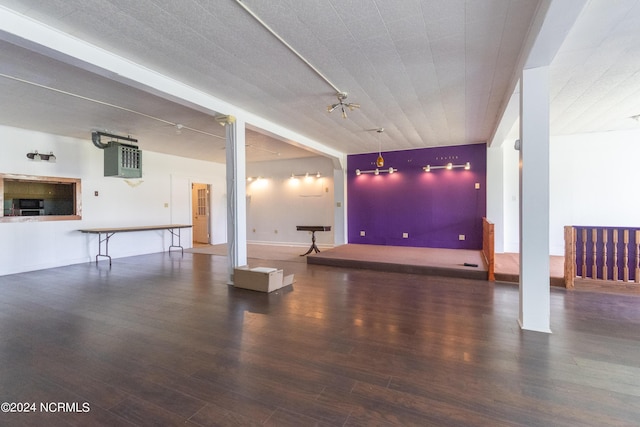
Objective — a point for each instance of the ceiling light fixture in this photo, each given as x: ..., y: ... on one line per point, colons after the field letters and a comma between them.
x: 224, y: 120
x: 380, y: 160
x: 341, y: 104
x: 341, y: 94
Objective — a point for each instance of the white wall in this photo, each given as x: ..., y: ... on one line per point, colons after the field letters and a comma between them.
x: 594, y: 181
x: 511, y: 194
x: 495, y: 193
x: 593, y: 178
x: 276, y: 204
x: 166, y: 179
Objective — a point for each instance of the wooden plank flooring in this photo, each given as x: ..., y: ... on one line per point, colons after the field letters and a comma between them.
x: 162, y: 340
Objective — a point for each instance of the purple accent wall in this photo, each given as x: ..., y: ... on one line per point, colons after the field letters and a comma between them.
x: 433, y: 208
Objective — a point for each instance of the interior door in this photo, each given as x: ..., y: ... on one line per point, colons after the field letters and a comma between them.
x: 201, y: 215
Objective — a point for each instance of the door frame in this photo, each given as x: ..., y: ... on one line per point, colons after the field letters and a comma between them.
x: 208, y: 208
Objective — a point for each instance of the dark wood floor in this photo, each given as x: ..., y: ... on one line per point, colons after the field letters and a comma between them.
x: 162, y: 340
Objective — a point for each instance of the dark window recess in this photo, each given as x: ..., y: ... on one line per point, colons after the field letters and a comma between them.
x: 29, y: 197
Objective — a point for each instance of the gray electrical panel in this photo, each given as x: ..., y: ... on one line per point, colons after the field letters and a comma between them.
x: 122, y: 160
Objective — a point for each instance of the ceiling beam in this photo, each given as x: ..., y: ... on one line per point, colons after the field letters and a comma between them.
x: 549, y: 29
x: 25, y: 32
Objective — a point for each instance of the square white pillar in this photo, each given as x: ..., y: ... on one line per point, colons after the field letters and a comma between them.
x: 236, y: 194
x: 535, y: 290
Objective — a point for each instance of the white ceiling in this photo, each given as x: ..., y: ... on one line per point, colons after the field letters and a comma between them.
x: 431, y: 72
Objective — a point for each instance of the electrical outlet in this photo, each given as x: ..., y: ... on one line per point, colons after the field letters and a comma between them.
x: 460, y: 236
x: 362, y: 234
x: 95, y: 193
x: 166, y: 205
x: 477, y: 185
x: 405, y: 235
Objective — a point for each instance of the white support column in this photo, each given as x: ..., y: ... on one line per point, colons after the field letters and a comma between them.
x: 340, y: 208
x: 495, y: 193
x: 236, y: 193
x: 535, y: 290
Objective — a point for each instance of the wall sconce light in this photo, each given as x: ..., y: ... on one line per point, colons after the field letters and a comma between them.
x: 376, y: 171
x: 448, y: 166
x: 35, y: 156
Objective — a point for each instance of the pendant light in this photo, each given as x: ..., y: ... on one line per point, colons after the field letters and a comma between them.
x: 379, y: 160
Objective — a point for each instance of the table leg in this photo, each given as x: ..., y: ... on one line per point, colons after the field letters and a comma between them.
x: 106, y: 245
x: 313, y: 245
x: 174, y: 234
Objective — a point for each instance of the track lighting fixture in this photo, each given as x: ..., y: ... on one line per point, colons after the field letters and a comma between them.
x: 341, y: 105
x: 448, y: 166
x: 376, y: 171
x: 306, y: 175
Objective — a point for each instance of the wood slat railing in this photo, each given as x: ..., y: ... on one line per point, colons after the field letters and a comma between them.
x: 601, y: 253
x: 488, y: 247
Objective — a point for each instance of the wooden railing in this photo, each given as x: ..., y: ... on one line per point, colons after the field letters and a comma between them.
x: 488, y: 248
x: 602, y: 253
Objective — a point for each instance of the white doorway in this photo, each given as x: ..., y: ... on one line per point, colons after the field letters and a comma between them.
x: 201, y: 212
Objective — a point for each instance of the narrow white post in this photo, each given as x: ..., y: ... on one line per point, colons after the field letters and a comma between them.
x: 236, y: 193
x: 340, y: 209
x: 535, y: 290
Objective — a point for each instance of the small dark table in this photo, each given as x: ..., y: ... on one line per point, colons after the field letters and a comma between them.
x: 313, y: 229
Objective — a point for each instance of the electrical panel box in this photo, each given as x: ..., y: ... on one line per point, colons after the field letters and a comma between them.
x: 122, y: 160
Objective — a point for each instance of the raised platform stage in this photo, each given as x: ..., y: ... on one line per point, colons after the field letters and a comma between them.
x: 442, y: 262
x: 401, y: 259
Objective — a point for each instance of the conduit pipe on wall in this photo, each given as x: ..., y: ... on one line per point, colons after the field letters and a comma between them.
x: 95, y: 137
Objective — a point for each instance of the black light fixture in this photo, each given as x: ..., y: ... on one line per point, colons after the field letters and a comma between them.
x: 35, y: 156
